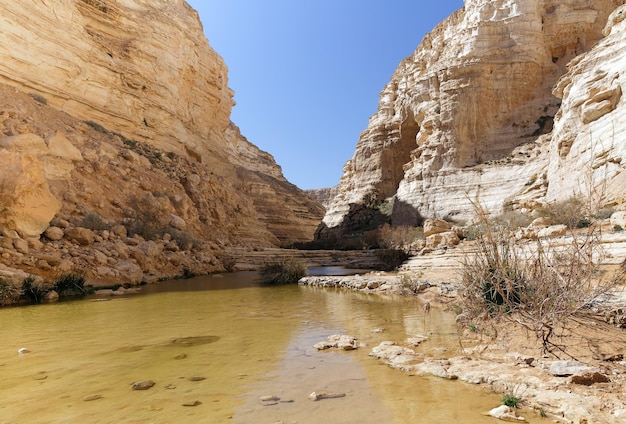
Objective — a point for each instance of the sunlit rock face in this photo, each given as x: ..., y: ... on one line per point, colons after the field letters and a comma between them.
x: 143, y: 71
x: 468, y: 116
x: 140, y: 67
x: 588, y: 140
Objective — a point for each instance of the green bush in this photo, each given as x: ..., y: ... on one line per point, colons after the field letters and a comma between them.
x: 286, y: 271
x: 510, y: 400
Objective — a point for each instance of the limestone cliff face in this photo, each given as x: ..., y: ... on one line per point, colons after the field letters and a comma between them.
x: 142, y: 71
x: 588, y: 138
x: 470, y: 114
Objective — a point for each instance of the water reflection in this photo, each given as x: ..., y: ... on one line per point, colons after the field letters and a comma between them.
x: 246, y: 341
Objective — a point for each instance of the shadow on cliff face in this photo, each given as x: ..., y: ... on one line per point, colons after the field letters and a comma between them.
x: 359, y: 228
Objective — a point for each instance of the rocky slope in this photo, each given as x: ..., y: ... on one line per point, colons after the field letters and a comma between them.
x: 117, y: 113
x: 472, y: 115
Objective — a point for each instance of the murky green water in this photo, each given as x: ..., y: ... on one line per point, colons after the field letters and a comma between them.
x: 245, y: 341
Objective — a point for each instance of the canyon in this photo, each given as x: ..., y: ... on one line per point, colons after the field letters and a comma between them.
x: 123, y: 118
x: 509, y: 104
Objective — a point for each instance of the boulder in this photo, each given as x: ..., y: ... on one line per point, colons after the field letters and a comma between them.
x: 443, y: 239
x: 567, y: 368
x: 341, y: 342
x: 177, y: 222
x: 51, y: 296
x: 552, y: 231
x: 61, y: 147
x: 619, y: 219
x: 542, y: 221
x: 80, y: 235
x: 129, y: 271
x: 20, y: 245
x: 28, y: 204
x: 505, y: 413
x: 436, y: 226
x: 54, y: 233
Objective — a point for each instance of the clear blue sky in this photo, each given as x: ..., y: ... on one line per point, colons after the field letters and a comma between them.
x: 307, y: 73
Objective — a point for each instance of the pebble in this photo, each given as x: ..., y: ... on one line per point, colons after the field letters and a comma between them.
x: 143, y: 385
x: 89, y: 398
x: 181, y: 356
x: 40, y: 375
x: 317, y: 396
x: 197, y: 378
x: 193, y: 403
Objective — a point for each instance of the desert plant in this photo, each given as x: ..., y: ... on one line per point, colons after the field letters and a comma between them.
x: 541, y: 287
x: 573, y: 212
x: 70, y: 285
x: 183, y: 239
x: 286, y: 271
x: 94, y: 221
x: 9, y: 294
x: 150, y: 217
x: 97, y: 127
x: 39, y: 98
x: 510, y: 400
x: 34, y: 292
x: 390, y: 259
x: 399, y: 237
x: 512, y: 220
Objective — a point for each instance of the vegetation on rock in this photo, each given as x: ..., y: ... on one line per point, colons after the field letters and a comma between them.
x: 286, y: 271
x: 70, y: 285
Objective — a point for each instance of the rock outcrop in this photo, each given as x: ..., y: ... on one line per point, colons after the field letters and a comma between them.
x: 142, y: 71
x: 472, y: 115
x: 115, y: 132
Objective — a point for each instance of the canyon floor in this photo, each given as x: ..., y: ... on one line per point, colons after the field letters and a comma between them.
x: 507, y: 358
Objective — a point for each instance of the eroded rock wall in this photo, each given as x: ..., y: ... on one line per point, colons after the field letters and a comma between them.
x: 469, y: 114
x: 141, y: 71
x: 589, y: 132
x: 141, y: 68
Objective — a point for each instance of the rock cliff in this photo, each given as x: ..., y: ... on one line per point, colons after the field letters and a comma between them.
x: 471, y: 114
x: 119, y: 111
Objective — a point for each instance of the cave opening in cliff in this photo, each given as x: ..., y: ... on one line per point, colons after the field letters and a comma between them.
x: 398, y: 154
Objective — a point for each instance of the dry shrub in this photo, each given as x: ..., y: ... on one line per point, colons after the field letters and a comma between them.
x: 541, y: 287
x: 94, y: 221
x: 573, y: 212
x: 400, y: 237
x: 9, y: 294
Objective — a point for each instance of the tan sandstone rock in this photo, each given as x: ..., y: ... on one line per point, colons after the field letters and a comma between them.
x: 28, y: 204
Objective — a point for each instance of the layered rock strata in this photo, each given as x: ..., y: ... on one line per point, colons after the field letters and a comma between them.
x: 116, y: 114
x: 470, y: 115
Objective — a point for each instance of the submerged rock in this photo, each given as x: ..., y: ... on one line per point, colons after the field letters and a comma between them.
x: 342, y: 342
